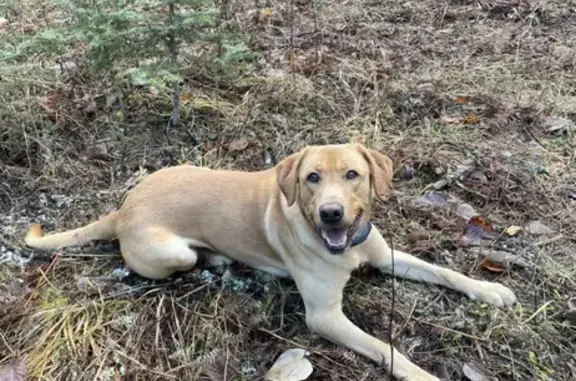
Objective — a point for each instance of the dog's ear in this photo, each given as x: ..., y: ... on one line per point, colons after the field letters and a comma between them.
x: 287, y: 176
x: 381, y: 170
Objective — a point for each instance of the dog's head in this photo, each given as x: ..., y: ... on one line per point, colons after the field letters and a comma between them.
x: 333, y: 187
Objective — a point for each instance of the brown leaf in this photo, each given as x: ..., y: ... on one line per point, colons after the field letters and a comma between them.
x: 482, y: 223
x: 477, y: 229
x: 461, y: 100
x: 471, y: 119
x: 492, y: 266
x: 16, y: 371
x: 238, y: 145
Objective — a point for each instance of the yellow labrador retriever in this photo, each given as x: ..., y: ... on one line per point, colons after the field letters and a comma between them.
x: 308, y: 218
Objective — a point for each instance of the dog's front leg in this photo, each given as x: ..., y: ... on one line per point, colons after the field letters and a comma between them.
x: 322, y: 294
x: 410, y: 267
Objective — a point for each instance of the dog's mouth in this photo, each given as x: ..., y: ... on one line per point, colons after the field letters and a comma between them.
x: 338, y: 239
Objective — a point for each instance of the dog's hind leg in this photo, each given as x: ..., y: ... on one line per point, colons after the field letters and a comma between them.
x: 157, y: 253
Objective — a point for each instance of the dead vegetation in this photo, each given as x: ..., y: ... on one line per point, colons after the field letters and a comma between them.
x: 484, y: 89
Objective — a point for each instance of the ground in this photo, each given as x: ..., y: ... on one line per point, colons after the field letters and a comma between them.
x: 480, y: 89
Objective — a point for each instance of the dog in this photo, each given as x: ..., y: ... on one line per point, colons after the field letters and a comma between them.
x: 308, y: 218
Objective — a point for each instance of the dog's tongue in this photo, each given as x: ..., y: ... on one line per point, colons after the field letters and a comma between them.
x: 335, y: 237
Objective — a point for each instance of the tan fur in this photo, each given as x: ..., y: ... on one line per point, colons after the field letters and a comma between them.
x: 269, y: 220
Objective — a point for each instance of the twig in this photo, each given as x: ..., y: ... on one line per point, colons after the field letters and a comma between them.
x: 392, y: 308
x: 173, y: 48
x: 292, y: 54
x: 407, y: 320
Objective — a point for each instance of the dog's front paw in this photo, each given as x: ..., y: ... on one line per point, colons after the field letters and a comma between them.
x: 493, y: 293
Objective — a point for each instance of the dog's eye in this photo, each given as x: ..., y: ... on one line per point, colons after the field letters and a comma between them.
x: 351, y: 174
x: 313, y: 177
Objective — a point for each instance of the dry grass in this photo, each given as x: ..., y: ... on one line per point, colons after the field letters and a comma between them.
x: 387, y: 73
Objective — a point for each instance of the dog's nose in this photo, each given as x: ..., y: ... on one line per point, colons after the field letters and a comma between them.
x: 331, y: 213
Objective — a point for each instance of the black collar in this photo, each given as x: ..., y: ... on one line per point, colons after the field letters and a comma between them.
x: 363, y: 235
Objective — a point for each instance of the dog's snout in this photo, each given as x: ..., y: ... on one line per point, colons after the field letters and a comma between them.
x: 331, y: 213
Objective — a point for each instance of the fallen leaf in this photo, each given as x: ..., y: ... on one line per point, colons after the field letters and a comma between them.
x: 492, y: 266
x: 432, y: 198
x: 502, y: 258
x: 473, y: 373
x: 16, y: 371
x: 451, y: 119
x: 461, y: 100
x: 238, y: 145
x: 477, y: 230
x: 3, y: 22
x: 292, y: 365
x: 512, y: 230
x: 466, y: 211
x: 558, y: 123
x: 537, y: 228
x: 471, y: 119
x: 482, y: 223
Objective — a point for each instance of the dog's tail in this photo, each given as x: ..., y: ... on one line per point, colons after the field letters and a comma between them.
x: 102, y: 229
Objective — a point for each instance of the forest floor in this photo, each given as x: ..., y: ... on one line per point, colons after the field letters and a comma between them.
x: 482, y: 89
